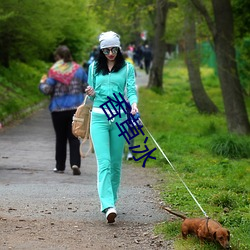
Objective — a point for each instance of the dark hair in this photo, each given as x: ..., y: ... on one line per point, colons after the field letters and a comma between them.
x: 102, y: 67
x: 64, y: 53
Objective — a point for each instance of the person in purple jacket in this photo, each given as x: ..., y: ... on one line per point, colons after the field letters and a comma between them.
x: 65, y: 83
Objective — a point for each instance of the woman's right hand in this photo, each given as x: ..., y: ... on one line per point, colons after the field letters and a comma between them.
x: 90, y: 91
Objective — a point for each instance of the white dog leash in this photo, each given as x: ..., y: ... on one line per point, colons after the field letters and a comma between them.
x: 175, y: 170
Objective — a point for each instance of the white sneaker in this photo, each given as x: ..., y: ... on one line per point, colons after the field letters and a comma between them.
x: 76, y: 170
x: 111, y: 214
x: 129, y: 156
x: 58, y: 171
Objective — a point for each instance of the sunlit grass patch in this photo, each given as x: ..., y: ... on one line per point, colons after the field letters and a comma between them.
x: 219, y: 182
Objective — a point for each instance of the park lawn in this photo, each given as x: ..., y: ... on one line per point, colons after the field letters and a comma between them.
x: 192, y: 143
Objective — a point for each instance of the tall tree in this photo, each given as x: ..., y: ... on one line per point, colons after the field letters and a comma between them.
x: 159, y: 44
x: 201, y: 99
x: 223, y: 38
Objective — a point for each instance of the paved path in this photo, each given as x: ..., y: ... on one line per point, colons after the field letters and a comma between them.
x: 141, y: 78
x: 30, y: 190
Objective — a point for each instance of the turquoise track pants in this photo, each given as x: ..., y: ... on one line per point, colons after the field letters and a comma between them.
x: 108, y: 148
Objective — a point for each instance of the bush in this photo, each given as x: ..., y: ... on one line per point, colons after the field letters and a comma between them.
x: 223, y: 200
x: 19, y: 88
x: 231, y: 146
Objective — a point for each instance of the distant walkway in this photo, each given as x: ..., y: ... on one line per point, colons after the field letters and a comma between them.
x: 141, y: 78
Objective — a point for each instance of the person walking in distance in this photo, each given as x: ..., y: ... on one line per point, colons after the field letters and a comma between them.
x: 66, y: 83
x: 147, y: 54
x: 109, y: 75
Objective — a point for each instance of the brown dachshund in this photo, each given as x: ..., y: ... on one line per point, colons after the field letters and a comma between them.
x: 204, y: 229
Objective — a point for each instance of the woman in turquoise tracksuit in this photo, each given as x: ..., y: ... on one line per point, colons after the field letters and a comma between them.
x: 108, y: 76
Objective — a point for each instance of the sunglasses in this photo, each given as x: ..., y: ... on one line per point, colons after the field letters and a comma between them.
x: 106, y: 51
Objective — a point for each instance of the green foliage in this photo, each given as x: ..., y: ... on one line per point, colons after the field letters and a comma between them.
x: 175, y: 28
x: 243, y: 59
x: 175, y: 25
x: 19, y: 87
x: 128, y: 18
x: 29, y: 33
x: 219, y: 183
x: 241, y: 17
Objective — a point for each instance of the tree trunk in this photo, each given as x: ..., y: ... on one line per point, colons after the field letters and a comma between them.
x: 201, y: 99
x: 159, y: 47
x: 235, y: 109
x: 223, y: 38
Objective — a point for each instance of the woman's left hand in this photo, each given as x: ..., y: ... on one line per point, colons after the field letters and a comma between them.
x: 134, y: 109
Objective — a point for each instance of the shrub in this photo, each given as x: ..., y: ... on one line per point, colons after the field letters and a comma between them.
x: 231, y: 146
x: 223, y: 200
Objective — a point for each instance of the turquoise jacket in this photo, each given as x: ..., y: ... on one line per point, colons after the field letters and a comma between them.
x: 105, y: 86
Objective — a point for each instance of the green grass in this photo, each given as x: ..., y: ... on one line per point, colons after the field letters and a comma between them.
x: 214, y: 164
x: 19, y: 88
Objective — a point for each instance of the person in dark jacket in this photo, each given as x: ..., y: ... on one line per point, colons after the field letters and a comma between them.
x: 147, y: 54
